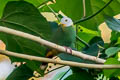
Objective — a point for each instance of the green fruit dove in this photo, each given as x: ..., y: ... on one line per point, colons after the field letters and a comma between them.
x: 64, y: 35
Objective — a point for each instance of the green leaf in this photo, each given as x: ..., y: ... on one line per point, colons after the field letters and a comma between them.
x: 35, y: 2
x: 86, y: 35
x: 21, y: 73
x: 68, y: 57
x: 94, y: 48
x: 111, y: 51
x: 114, y: 36
x: 74, y: 10
x: 4, y: 2
x: 34, y: 66
x: 23, y: 16
x: 81, y: 75
x: 112, y: 72
x: 113, y: 23
x: 2, y: 5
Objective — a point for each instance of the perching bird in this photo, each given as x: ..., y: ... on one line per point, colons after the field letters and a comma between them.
x: 64, y: 35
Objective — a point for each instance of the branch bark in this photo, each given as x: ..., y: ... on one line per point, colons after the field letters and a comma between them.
x: 50, y: 44
x: 69, y: 63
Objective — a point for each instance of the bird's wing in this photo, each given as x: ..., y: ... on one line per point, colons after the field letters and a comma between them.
x: 54, y: 26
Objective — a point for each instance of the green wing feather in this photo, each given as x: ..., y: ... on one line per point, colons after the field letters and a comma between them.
x: 62, y: 36
x: 65, y: 36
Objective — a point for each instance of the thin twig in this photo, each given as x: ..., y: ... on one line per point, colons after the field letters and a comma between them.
x: 82, y: 41
x: 84, y: 9
x: 84, y: 14
x: 69, y: 63
x: 53, y: 12
x: 50, y: 44
x: 89, y: 17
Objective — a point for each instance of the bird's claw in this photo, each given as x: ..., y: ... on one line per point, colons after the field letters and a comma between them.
x: 68, y: 49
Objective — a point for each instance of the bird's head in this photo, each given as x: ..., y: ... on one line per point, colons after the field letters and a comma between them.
x: 66, y: 22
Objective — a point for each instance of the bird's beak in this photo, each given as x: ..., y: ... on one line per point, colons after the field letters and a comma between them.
x: 62, y: 25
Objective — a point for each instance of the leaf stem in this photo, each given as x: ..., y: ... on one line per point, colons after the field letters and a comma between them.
x: 82, y: 41
x: 89, y: 17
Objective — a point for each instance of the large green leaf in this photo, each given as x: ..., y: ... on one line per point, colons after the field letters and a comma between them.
x: 112, y: 72
x: 74, y: 9
x: 68, y: 57
x: 23, y: 16
x: 80, y: 75
x: 86, y: 35
x: 115, y: 39
x: 21, y: 73
x: 113, y: 23
x: 2, y: 5
x: 114, y: 36
x: 35, y: 2
x: 111, y: 51
x: 4, y: 2
x: 96, y: 46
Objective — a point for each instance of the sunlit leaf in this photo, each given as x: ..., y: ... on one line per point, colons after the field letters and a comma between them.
x: 111, y: 51
x: 112, y: 72
x: 113, y: 23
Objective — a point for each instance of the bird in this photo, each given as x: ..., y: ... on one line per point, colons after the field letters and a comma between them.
x: 64, y: 35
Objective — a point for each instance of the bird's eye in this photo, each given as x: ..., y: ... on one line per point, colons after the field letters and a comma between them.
x: 66, y: 20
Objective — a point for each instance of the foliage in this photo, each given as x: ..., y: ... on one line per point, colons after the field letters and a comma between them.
x: 23, y: 72
x: 112, y: 72
x: 80, y: 74
x: 25, y: 16
x: 92, y: 6
x: 111, y: 51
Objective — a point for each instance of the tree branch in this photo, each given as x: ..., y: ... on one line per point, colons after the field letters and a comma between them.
x: 89, y: 17
x: 50, y: 44
x: 69, y: 63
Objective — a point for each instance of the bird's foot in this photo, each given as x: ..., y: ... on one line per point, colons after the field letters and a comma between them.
x: 68, y: 49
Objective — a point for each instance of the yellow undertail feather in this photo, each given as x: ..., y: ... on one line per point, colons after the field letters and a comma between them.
x: 52, y: 53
